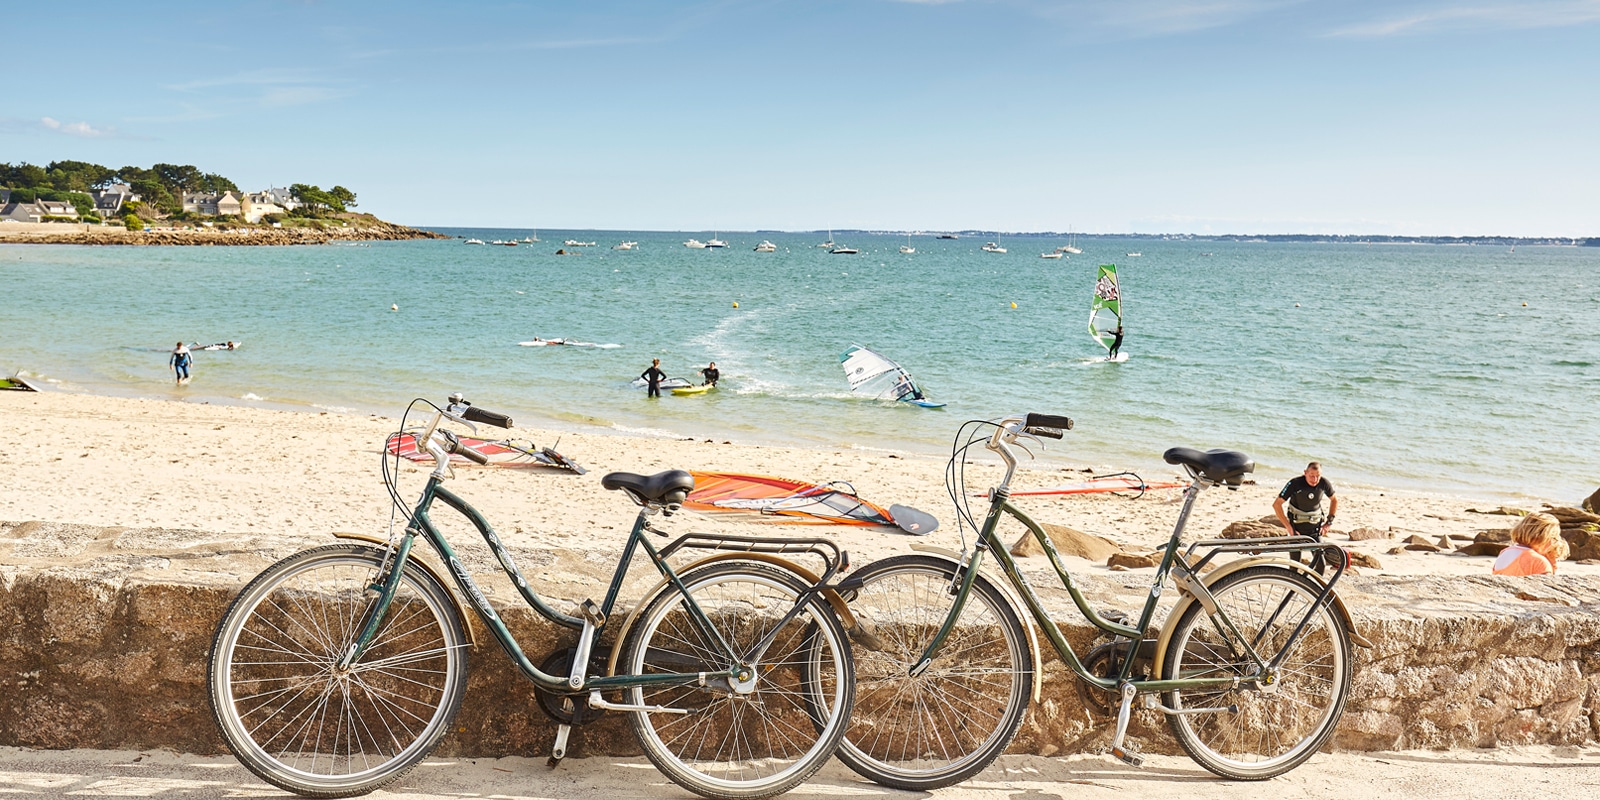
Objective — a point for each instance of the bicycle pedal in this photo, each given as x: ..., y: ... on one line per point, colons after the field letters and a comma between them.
x: 1127, y: 757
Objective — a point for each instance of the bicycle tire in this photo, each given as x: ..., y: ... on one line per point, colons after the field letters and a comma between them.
x: 1274, y: 729
x: 762, y: 743
x: 952, y: 721
x: 298, y: 723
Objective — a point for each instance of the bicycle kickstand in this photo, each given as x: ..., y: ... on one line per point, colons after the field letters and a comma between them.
x: 1123, y: 713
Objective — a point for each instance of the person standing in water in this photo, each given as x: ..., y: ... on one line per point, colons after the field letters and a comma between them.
x: 711, y: 374
x: 180, y: 361
x: 1116, y: 344
x: 653, y: 376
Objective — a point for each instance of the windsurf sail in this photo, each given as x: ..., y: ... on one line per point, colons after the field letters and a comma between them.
x: 873, y: 374
x: 504, y: 453
x: 800, y: 503
x: 1105, y: 311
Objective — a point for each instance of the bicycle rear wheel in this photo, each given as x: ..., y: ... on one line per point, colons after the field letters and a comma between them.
x: 300, y: 723
x: 738, y: 741
x: 1277, y: 727
x: 950, y: 722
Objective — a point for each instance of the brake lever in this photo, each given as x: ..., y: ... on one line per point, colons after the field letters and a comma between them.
x: 1023, y: 445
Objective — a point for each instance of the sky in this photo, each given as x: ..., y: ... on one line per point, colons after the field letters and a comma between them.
x: 1409, y: 117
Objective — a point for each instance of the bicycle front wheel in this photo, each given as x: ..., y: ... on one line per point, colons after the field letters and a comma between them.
x: 740, y: 739
x: 938, y: 728
x: 299, y: 722
x: 1275, y: 727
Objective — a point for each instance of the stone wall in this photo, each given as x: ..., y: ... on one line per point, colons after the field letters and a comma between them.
x: 104, y: 634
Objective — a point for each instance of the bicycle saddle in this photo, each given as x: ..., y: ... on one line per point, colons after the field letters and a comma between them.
x: 1218, y: 466
x: 663, y: 488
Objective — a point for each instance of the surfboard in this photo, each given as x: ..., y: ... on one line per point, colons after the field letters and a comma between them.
x: 15, y: 383
x: 925, y: 403
x: 1120, y: 357
x: 694, y: 389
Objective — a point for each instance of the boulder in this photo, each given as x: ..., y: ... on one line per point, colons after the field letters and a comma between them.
x: 1592, y: 504
x: 1254, y: 528
x: 1131, y: 561
x: 1500, y: 535
x: 1483, y: 549
x: 1068, y: 542
x: 1568, y: 515
x: 1584, y: 544
x: 1365, y: 534
x: 1423, y: 547
x: 1443, y: 543
x: 1416, y: 540
x: 1359, y: 559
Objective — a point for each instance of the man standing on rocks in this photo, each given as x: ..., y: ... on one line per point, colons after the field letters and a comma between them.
x: 1303, y: 514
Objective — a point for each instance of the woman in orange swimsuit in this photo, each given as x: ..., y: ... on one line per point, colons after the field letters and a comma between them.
x: 1537, y: 547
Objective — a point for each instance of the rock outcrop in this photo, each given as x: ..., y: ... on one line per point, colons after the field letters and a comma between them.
x: 104, y: 636
x: 1068, y: 542
x: 366, y: 229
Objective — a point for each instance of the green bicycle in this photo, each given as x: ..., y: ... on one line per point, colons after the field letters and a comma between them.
x: 339, y: 668
x: 1251, y: 667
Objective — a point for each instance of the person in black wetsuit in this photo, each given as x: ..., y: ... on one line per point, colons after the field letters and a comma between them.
x: 653, y: 376
x: 711, y: 374
x: 1299, y: 509
x: 1116, y: 344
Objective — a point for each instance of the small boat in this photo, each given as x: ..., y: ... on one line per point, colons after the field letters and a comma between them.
x: 843, y: 250
x: 531, y: 239
x: 1057, y: 254
x: 907, y: 248
x: 715, y: 243
x: 947, y: 236
x: 626, y: 246
x: 1071, y: 246
x: 473, y: 241
x: 828, y: 245
x: 766, y: 247
x: 576, y: 243
x: 1135, y: 255
x: 508, y: 243
x: 993, y: 247
x: 695, y: 244
x: 683, y: 390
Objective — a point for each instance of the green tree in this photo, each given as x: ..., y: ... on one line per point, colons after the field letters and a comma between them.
x: 133, y: 222
x: 346, y: 198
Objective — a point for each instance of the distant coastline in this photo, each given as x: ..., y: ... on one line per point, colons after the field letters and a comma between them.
x: 1308, y: 238
x: 358, y: 229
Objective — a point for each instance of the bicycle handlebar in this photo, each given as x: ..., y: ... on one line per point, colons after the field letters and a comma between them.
x: 1050, y: 425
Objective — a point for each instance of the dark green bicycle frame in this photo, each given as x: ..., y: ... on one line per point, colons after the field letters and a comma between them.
x: 388, y: 581
x: 988, y: 541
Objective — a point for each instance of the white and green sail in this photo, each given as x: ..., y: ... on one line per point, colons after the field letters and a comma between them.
x: 1105, y: 312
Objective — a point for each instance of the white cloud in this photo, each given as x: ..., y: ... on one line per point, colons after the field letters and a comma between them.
x: 1468, y: 17
x: 83, y: 129
x: 267, y: 88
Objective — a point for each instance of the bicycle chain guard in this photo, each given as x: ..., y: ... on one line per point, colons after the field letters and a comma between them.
x: 569, y: 709
x: 1104, y: 661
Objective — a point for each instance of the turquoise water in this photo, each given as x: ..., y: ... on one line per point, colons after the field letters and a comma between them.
x: 1406, y: 366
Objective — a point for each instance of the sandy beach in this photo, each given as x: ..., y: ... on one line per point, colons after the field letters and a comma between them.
x: 130, y: 462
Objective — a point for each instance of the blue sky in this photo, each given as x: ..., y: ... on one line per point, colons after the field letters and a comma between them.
x: 1223, y: 116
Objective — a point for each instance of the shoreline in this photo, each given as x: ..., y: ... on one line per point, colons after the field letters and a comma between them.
x: 110, y: 235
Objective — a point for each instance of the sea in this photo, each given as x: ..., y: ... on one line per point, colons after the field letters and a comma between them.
x: 1466, y: 370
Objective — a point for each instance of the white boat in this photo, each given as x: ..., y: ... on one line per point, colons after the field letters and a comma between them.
x: 907, y: 248
x: 714, y: 242
x: 576, y: 243
x: 1071, y: 246
x: 626, y: 246
x: 843, y: 250
x: 1135, y: 255
x: 473, y: 241
x: 695, y: 244
x: 994, y: 246
x: 1056, y: 254
x: 766, y: 247
x: 531, y: 239
x: 828, y: 245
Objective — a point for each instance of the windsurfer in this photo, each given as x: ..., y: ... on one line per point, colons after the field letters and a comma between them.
x: 1116, y: 344
x: 652, y: 377
x: 180, y: 361
x: 711, y: 374
x: 1303, y: 515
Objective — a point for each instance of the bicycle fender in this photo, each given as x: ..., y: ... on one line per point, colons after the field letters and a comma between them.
x: 1186, y: 600
x: 426, y: 566
x: 840, y: 607
x: 1016, y: 608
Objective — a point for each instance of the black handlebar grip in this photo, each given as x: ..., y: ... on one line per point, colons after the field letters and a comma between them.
x: 1048, y: 433
x: 470, y: 454
x: 1058, y: 422
x: 475, y: 414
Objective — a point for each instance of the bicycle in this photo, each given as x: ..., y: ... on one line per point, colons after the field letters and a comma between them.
x: 1252, y: 666
x: 337, y: 669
